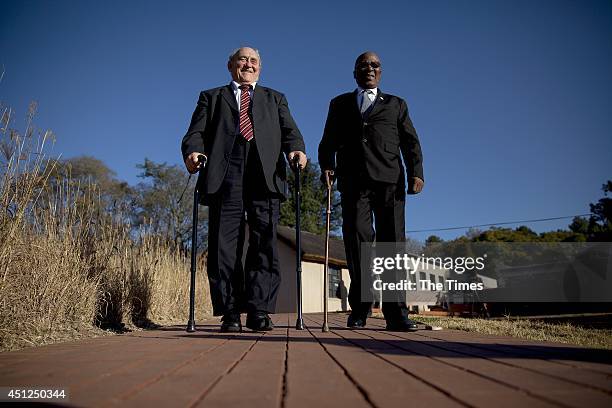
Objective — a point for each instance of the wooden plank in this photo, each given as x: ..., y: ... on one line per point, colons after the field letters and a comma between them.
x: 382, y: 383
x: 158, y: 376
x: 579, y: 357
x: 469, y: 388
x: 314, y: 379
x: 256, y: 380
x: 538, y: 385
x: 527, y: 359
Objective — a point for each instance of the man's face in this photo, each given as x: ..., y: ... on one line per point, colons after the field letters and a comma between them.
x: 367, y: 71
x: 244, y: 66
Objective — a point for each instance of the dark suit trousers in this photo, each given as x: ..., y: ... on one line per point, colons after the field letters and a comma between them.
x: 254, y: 287
x: 379, y: 205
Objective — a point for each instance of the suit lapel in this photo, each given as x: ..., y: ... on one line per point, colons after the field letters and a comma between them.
x: 353, y: 107
x: 258, y: 106
x: 229, y: 97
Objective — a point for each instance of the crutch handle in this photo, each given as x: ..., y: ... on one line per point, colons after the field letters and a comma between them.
x: 329, y: 178
x: 202, y: 159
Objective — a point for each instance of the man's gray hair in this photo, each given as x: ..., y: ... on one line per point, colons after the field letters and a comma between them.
x: 235, y: 52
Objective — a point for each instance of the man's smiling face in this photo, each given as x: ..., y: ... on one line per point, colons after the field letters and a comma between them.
x: 245, y: 66
x: 368, y: 70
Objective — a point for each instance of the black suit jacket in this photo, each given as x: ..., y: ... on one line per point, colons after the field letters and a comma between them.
x: 356, y: 147
x: 214, y: 125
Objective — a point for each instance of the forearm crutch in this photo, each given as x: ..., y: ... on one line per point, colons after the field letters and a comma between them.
x: 299, y: 323
x: 328, y: 182
x: 194, y: 250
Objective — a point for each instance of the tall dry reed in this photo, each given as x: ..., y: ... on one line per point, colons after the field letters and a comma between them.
x: 66, y: 266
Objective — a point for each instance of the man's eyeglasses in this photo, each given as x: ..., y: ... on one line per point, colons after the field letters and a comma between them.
x: 366, y: 65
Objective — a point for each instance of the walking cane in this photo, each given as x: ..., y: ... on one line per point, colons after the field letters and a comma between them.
x: 194, y: 249
x: 328, y: 183
x: 299, y: 323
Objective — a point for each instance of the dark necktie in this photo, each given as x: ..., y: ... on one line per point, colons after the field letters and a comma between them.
x: 246, y: 127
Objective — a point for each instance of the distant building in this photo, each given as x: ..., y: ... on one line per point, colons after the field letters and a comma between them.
x: 313, y: 259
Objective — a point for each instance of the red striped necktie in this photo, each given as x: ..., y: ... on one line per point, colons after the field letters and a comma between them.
x: 246, y: 127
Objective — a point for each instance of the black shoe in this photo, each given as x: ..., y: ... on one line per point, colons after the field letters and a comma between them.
x: 355, y: 321
x: 259, y: 321
x: 403, y: 325
x: 231, y: 323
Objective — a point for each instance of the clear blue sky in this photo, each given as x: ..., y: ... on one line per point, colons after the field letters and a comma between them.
x: 512, y: 99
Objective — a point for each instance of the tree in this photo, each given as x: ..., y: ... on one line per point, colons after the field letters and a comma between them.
x: 414, y: 246
x: 313, y: 203
x: 159, y: 206
x: 562, y: 236
x: 87, y: 172
x: 433, y: 239
x: 520, y: 234
x: 600, y: 223
x: 579, y: 225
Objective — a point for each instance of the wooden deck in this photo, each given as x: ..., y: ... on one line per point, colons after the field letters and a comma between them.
x: 287, y: 368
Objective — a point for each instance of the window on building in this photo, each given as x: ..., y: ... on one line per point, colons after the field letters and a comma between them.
x: 335, y: 282
x: 422, y: 277
x: 441, y: 279
x: 411, y: 277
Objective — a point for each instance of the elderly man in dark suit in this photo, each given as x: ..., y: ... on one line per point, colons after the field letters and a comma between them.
x: 366, y: 136
x: 243, y: 129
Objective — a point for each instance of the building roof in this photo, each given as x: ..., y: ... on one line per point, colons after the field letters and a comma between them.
x: 313, y: 246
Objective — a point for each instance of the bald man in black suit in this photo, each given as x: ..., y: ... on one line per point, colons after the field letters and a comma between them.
x: 366, y: 136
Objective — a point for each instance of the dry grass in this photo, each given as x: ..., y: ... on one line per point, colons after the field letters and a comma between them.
x: 66, y: 267
x: 527, y: 329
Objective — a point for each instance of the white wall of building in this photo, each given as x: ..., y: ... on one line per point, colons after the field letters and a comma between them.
x: 312, y: 285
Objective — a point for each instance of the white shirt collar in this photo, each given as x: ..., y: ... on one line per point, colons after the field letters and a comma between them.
x: 236, y: 85
x: 360, y: 90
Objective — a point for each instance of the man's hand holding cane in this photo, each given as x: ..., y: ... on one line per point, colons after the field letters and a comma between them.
x: 297, y: 158
x: 195, y: 161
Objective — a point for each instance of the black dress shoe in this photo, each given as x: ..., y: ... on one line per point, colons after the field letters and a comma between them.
x: 355, y: 321
x: 259, y: 321
x: 231, y: 323
x: 403, y: 325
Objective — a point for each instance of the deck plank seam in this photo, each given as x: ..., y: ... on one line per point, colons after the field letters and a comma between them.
x: 140, y: 387
x: 551, y: 359
x: 424, y: 381
x: 444, y: 362
x: 511, y: 386
x: 353, y: 381
x: 207, y: 391
x: 283, y: 401
x: 594, y: 387
x: 483, y: 347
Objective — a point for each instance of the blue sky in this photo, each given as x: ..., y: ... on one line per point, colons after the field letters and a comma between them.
x: 512, y: 99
